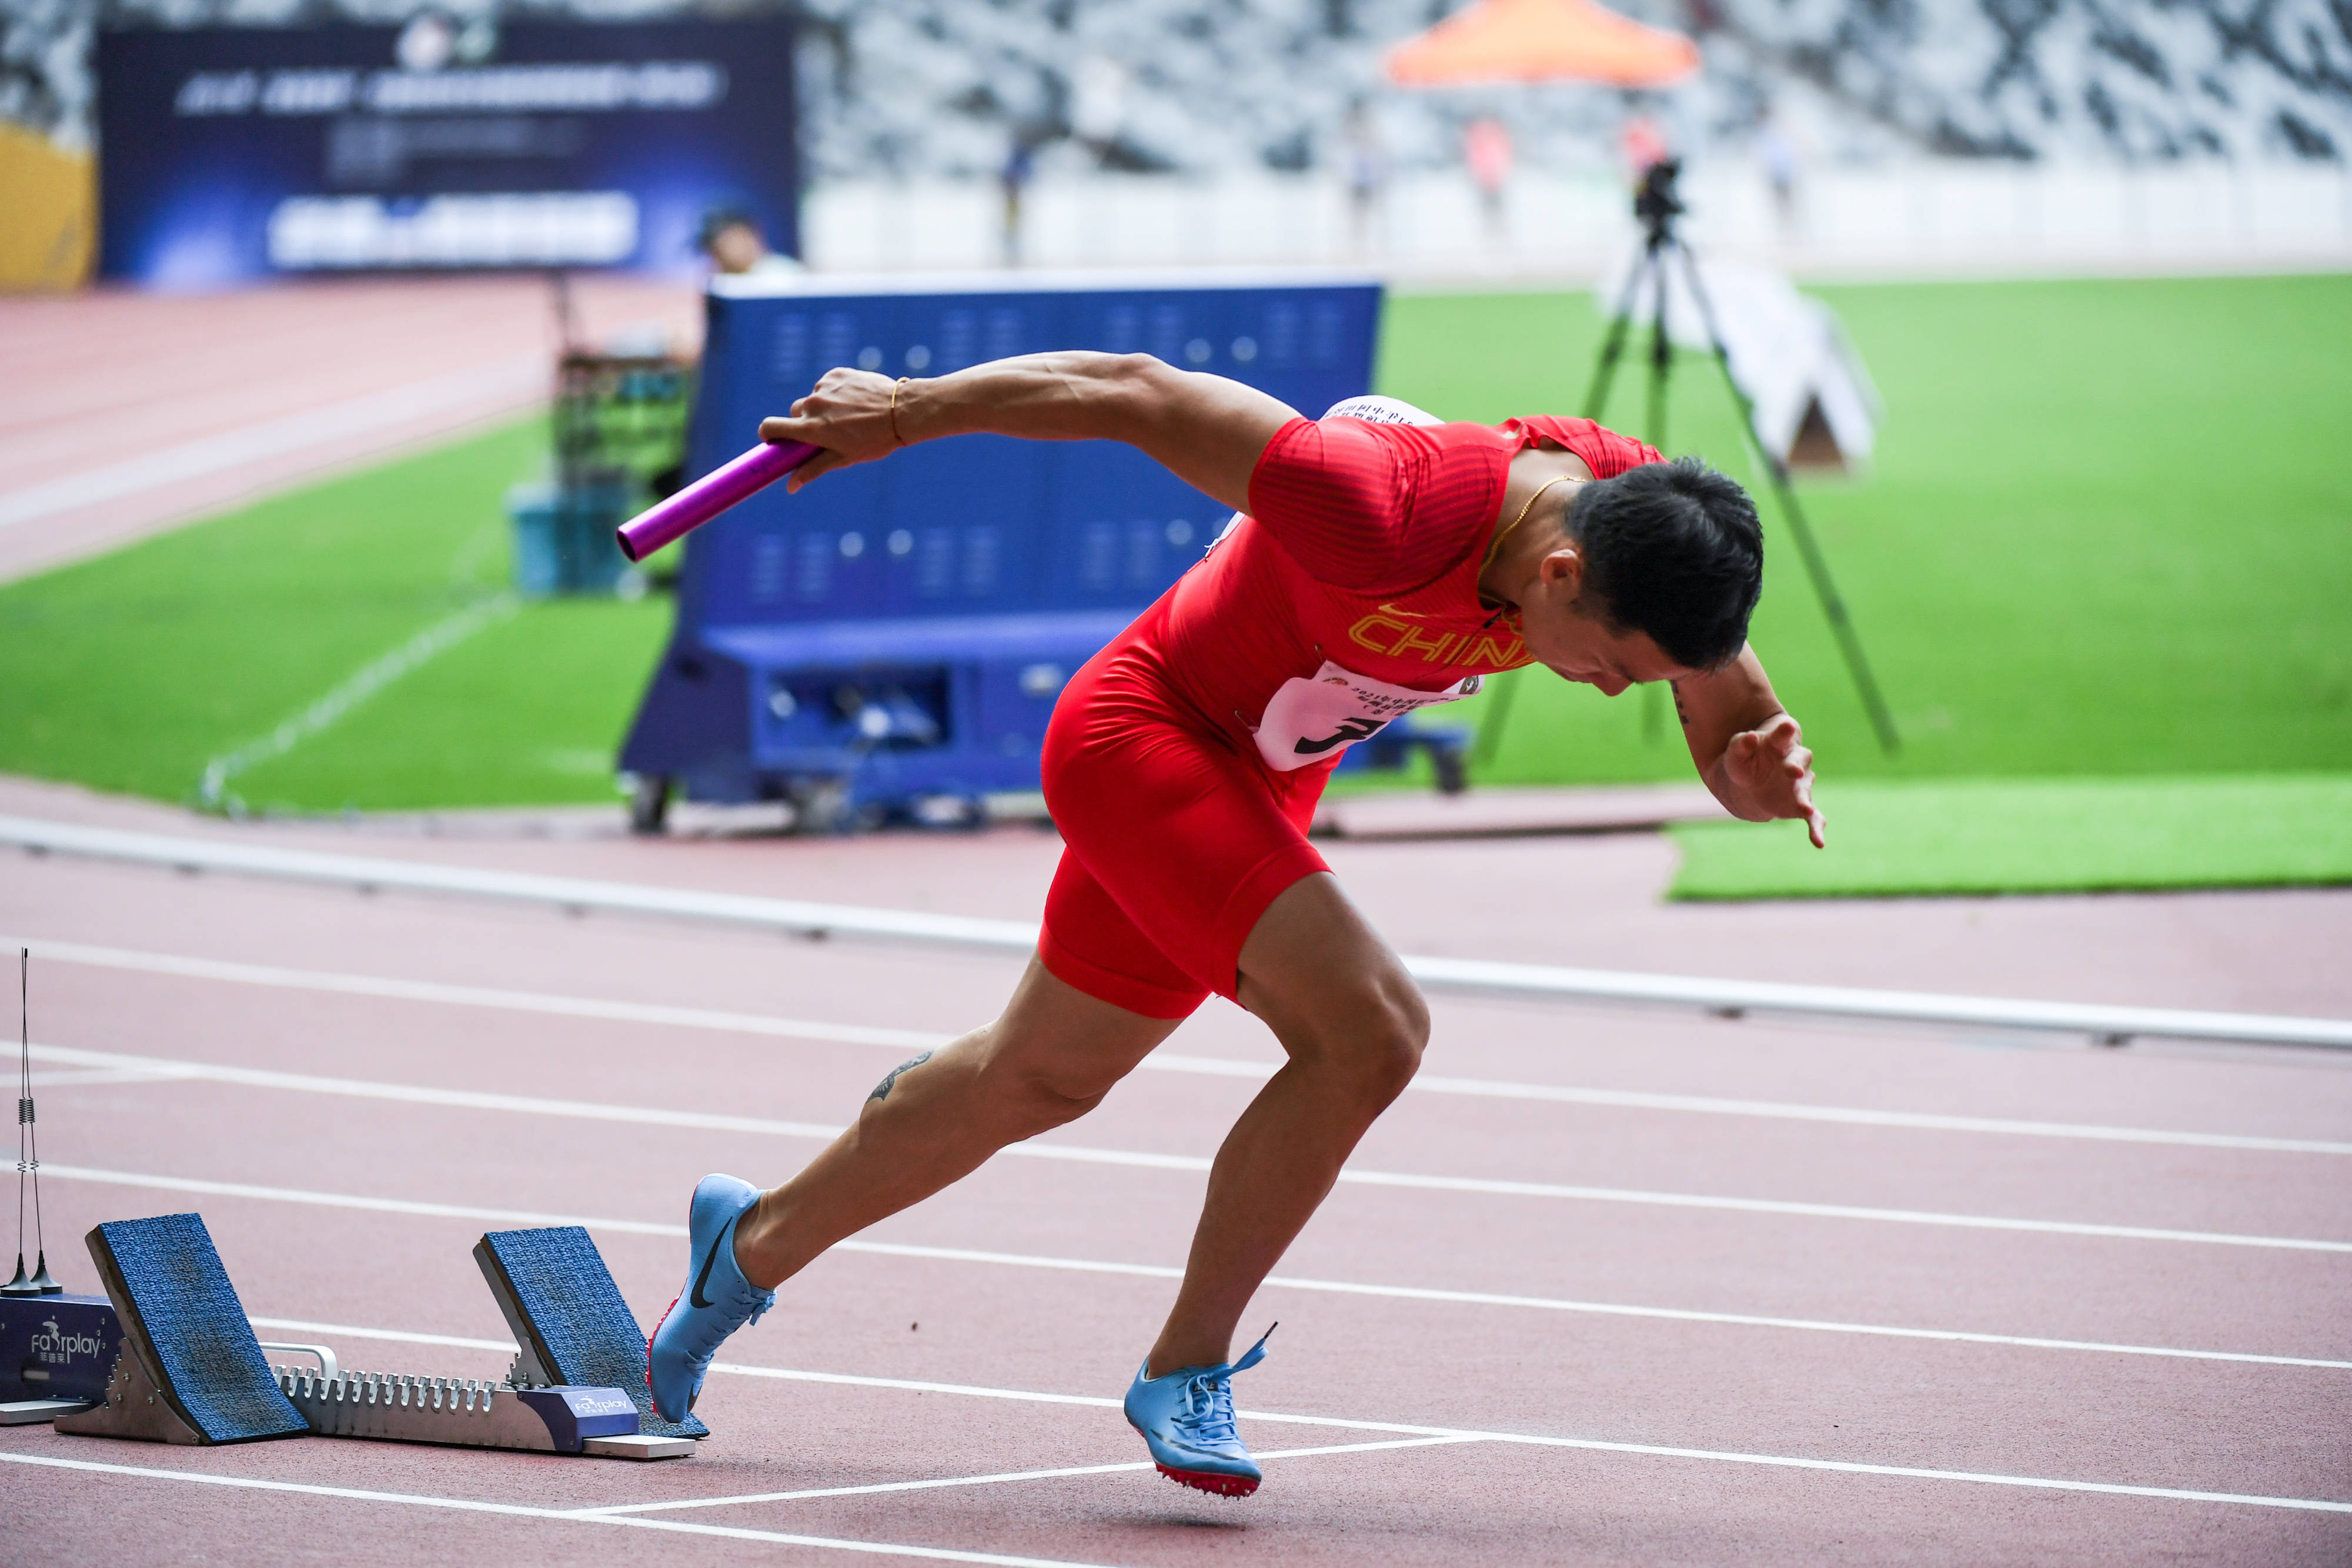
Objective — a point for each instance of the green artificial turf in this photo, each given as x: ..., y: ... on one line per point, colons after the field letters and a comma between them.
x: 132, y: 670
x: 2041, y: 835
x: 2107, y: 537
x: 2108, y: 530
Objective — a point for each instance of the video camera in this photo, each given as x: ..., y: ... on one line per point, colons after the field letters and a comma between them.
x: 1657, y: 202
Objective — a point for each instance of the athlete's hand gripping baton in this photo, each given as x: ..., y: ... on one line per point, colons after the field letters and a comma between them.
x: 707, y: 497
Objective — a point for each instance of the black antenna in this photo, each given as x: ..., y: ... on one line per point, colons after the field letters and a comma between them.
x: 28, y: 1148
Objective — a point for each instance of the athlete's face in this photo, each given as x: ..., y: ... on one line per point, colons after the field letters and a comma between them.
x: 1565, y: 632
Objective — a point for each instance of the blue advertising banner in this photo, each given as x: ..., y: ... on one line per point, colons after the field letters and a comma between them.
x: 232, y: 153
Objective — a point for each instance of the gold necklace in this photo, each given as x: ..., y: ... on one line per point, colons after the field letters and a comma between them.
x: 1495, y: 546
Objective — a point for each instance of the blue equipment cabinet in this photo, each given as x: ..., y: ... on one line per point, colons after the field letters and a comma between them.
x: 894, y: 638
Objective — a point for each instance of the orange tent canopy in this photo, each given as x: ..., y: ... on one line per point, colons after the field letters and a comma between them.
x: 1541, y: 40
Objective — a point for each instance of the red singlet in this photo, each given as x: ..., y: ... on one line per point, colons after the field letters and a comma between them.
x: 1185, y: 761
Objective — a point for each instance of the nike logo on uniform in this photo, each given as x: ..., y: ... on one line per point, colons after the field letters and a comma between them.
x: 710, y: 1258
x: 1351, y: 731
x: 1416, y: 614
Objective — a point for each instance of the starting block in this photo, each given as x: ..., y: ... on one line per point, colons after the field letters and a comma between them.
x: 571, y: 1326
x: 189, y: 1369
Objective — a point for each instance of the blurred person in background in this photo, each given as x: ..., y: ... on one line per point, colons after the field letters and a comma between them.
x: 1020, y: 166
x: 1368, y: 177
x: 1776, y: 153
x: 1642, y: 144
x: 737, y: 246
x: 1486, y: 149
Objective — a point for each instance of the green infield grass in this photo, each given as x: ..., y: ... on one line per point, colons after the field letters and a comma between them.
x: 134, y: 671
x: 2105, y: 537
x: 2106, y: 531
x: 2038, y: 835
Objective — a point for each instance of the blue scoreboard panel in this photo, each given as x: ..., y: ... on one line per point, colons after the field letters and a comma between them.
x: 896, y: 633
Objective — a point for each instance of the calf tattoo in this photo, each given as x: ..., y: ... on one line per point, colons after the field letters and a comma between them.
x: 882, y: 1090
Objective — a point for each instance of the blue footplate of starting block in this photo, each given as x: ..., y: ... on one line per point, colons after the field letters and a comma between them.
x: 182, y: 1319
x: 575, y: 1321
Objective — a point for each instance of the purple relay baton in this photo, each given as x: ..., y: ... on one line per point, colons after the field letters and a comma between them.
x: 707, y: 497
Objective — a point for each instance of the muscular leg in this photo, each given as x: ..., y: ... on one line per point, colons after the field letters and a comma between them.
x: 1049, y: 1058
x: 1353, y: 1025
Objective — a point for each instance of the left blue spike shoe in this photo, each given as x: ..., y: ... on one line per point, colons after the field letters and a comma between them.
x: 1186, y: 1417
x: 717, y: 1300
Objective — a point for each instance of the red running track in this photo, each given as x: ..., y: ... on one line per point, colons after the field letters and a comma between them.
x: 1456, y: 1397
x: 122, y: 413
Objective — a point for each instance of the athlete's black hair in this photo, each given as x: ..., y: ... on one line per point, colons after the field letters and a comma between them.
x: 1673, y: 549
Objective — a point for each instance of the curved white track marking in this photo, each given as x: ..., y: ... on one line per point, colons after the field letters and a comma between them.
x: 2175, y: 1494
x: 2323, y: 1505
x: 352, y: 692
x: 1035, y: 1148
x: 1013, y: 937
x: 934, y: 1483
x: 1158, y: 1062
x: 520, y: 1510
x: 1148, y: 1271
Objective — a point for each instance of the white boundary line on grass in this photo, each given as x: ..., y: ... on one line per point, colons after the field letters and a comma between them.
x: 520, y: 1510
x: 1020, y: 937
x: 303, y: 1083
x: 324, y: 713
x: 767, y: 1025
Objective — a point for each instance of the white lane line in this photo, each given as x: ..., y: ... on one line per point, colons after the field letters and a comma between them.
x: 397, y: 1336
x: 1034, y: 1148
x: 1159, y: 1061
x: 1601, y: 1309
x: 1163, y: 1271
x: 932, y: 1483
x: 1839, y: 1211
x: 516, y: 380
x: 974, y: 1391
x: 1015, y: 937
x: 520, y: 1510
x: 480, y: 997
x: 1925, y: 1121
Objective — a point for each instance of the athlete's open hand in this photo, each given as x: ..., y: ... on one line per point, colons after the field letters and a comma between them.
x: 848, y: 414
x: 1772, y: 768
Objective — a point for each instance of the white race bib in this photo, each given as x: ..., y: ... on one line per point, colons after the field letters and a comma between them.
x: 1314, y: 717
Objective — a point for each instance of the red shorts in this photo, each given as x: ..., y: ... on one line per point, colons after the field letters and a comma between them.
x: 1175, y: 837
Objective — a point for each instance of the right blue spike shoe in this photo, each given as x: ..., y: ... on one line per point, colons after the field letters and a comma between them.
x: 1186, y: 1417
x: 717, y: 1300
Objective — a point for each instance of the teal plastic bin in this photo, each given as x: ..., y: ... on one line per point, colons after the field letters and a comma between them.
x: 563, y: 537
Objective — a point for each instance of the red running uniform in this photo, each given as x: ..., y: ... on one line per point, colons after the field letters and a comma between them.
x: 1185, y: 760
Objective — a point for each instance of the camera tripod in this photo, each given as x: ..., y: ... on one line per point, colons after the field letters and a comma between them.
x: 1658, y: 204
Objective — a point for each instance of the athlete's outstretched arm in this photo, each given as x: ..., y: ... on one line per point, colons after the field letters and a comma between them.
x: 1748, y: 749
x: 1206, y: 429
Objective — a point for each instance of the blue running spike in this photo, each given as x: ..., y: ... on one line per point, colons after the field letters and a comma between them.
x: 1186, y: 1417
x: 715, y: 1302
